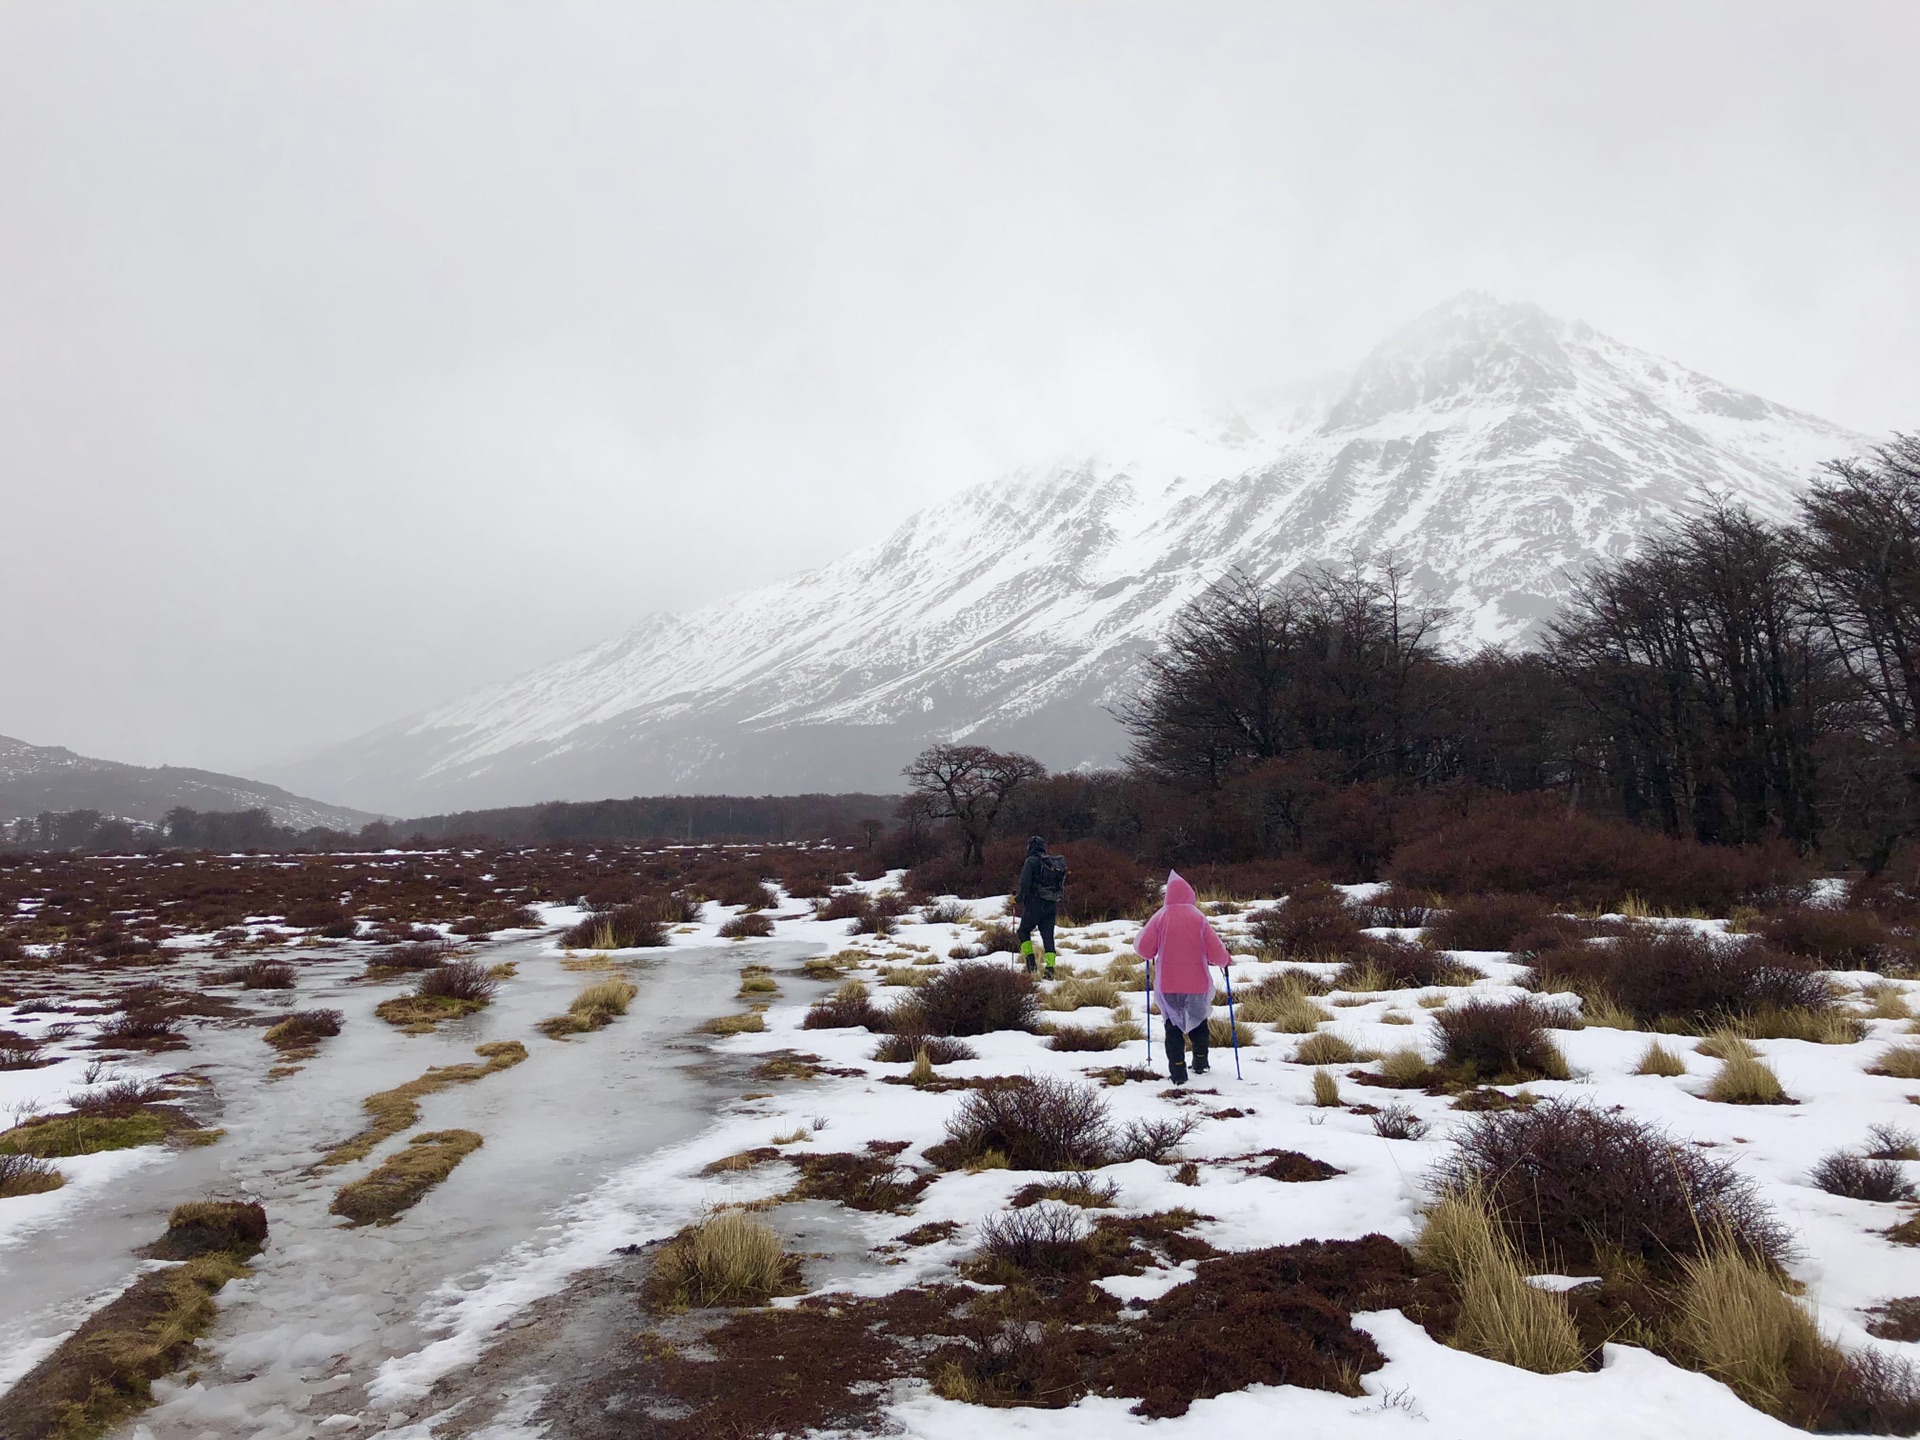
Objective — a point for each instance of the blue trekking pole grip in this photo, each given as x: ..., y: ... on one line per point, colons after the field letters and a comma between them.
x: 1233, y: 1027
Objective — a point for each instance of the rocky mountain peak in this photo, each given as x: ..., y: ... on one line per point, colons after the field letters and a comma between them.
x: 1494, y: 450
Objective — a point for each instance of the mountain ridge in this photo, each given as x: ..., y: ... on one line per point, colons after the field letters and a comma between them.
x: 38, y: 778
x: 1494, y: 450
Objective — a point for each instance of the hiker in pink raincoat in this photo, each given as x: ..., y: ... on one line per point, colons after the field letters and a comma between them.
x: 1184, y: 943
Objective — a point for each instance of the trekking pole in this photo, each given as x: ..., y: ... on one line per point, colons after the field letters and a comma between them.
x: 1147, y: 1018
x: 1233, y: 1027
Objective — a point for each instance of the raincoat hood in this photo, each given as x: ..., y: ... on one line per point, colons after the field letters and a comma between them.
x: 1036, y: 846
x: 1184, y: 943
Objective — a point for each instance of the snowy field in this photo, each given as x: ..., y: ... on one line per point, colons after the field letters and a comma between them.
x: 606, y: 1141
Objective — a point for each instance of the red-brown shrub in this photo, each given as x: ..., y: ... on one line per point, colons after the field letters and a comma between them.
x: 905, y: 1047
x: 972, y: 997
x: 1559, y: 932
x: 997, y: 874
x: 457, y: 980
x: 1401, y: 966
x: 841, y: 905
x: 850, y: 1007
x: 19, y: 1052
x: 1531, y: 845
x: 1044, y: 1239
x: 141, y: 1028
x: 1103, y: 884
x: 1838, y: 939
x: 1045, y: 1124
x: 1315, y: 923
x: 740, y: 888
x: 1680, y: 976
x: 259, y: 975
x: 1253, y: 879
x: 626, y: 927
x: 317, y: 915
x: 1499, y: 1043
x: 419, y: 955
x: 1400, y: 908
x: 1570, y: 1183
x: 1484, y: 922
x: 748, y: 926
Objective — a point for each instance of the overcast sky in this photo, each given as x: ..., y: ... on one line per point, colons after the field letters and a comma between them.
x: 352, y: 355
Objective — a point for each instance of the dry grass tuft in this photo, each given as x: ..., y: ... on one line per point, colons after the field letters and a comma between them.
x: 1886, y: 1001
x: 1077, y: 993
x: 1658, y: 1060
x: 1902, y: 1062
x: 402, y: 1179
x: 1829, y: 1026
x: 1326, y: 1089
x: 1720, y: 1044
x: 729, y: 1258
x: 104, y: 1371
x: 1406, y: 1068
x: 604, y: 1001
x: 391, y: 1111
x: 1501, y: 1316
x: 1325, y: 1048
x: 1735, y: 1324
x: 27, y: 1175
x: 1221, y: 1034
x: 202, y: 1227
x: 593, y: 1008
x: 59, y: 1137
x: 303, y: 1030
x: 1080, y: 1188
x: 1747, y: 1080
x: 1283, y: 1002
x: 751, y: 1023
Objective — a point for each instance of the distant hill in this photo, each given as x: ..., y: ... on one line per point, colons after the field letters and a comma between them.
x: 1495, y: 451
x: 36, y: 778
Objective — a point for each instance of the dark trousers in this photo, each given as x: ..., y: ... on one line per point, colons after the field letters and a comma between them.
x: 1034, y: 918
x: 1177, y: 1048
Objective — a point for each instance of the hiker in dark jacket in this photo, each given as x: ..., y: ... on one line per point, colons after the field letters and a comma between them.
x: 1041, y: 882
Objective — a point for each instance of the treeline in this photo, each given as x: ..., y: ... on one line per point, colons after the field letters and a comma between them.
x: 1734, y: 683
x: 181, y: 829
x: 684, y: 819
x: 654, y: 820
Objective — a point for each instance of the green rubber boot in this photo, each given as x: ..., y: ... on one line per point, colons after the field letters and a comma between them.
x: 1026, y: 949
x: 1051, y: 957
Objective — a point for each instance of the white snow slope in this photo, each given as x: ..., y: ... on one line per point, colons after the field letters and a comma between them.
x: 1492, y: 449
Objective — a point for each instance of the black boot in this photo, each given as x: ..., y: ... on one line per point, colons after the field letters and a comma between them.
x: 1176, y: 1054
x: 1199, y: 1037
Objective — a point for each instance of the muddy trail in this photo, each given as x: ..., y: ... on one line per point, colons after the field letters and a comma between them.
x: 345, y: 1330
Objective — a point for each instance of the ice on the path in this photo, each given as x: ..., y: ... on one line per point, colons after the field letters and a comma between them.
x: 478, y: 1253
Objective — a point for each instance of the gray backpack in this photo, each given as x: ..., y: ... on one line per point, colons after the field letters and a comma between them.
x: 1050, y: 878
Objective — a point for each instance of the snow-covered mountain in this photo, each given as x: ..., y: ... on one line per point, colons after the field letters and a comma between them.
x: 37, y: 778
x: 1493, y: 449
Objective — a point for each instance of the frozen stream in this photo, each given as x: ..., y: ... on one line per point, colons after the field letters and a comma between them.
x: 320, y: 1340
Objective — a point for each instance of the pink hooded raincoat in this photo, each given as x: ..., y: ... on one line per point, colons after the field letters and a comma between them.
x: 1183, y: 942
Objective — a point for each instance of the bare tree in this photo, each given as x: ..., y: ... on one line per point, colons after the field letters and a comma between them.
x: 968, y: 784
x: 1861, y: 553
x: 1706, y: 682
x: 1325, y: 661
